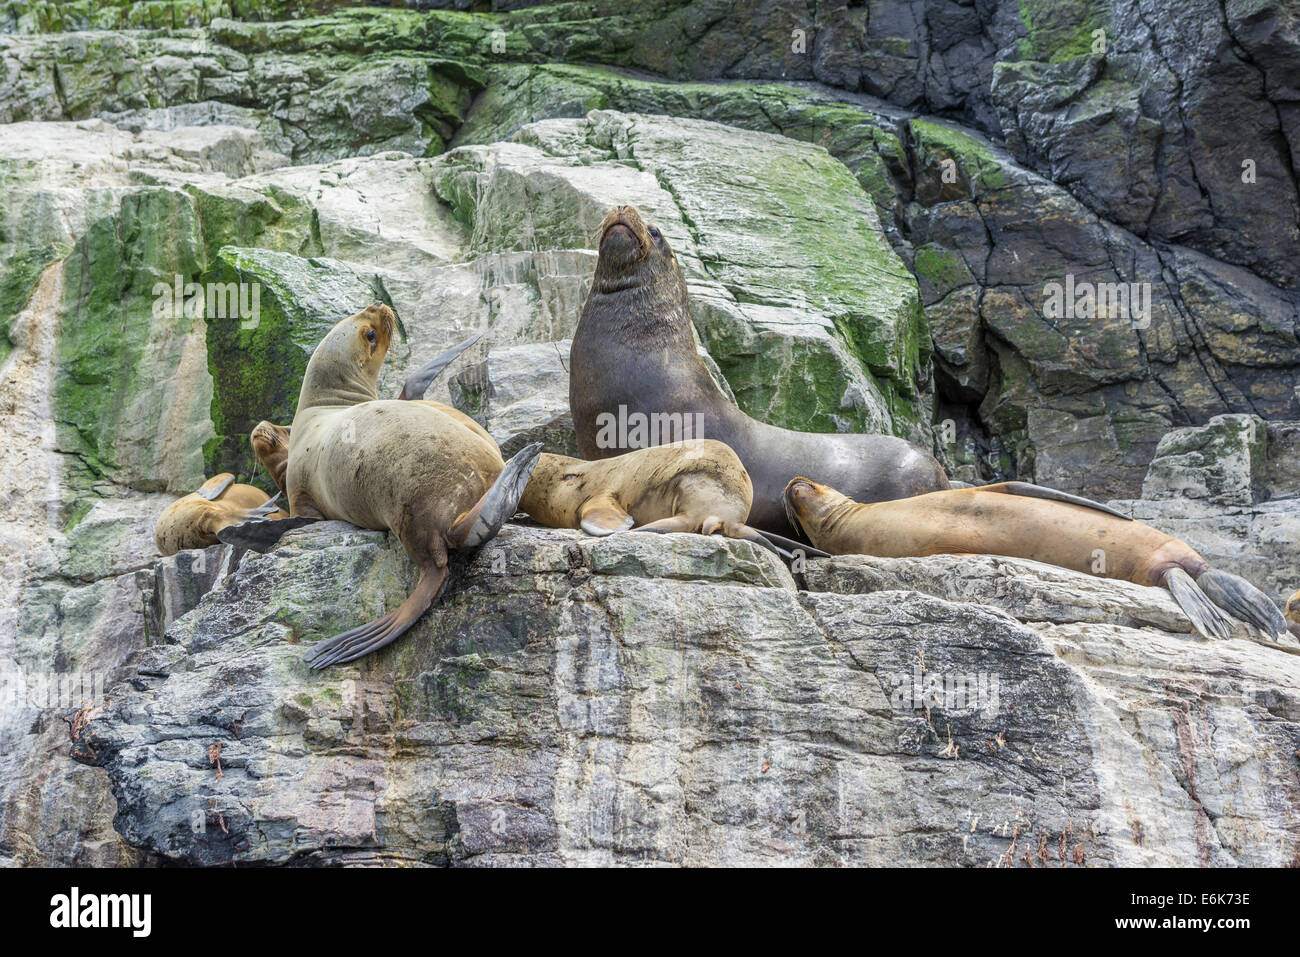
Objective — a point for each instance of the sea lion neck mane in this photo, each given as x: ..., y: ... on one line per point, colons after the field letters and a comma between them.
x: 638, y: 273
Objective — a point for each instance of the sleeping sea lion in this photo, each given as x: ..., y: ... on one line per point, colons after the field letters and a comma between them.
x: 1027, y: 521
x: 633, y: 354
x: 388, y: 464
x: 194, y: 520
x: 693, y: 486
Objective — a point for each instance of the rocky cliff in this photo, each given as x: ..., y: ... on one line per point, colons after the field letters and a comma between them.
x: 870, y: 204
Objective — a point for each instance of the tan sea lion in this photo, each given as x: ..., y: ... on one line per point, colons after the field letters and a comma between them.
x: 391, y: 464
x: 1293, y: 614
x: 634, y: 355
x: 694, y: 486
x: 270, y: 442
x: 1025, y: 521
x: 194, y: 520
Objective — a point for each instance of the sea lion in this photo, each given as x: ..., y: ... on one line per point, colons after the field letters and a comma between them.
x: 693, y: 486
x: 633, y: 353
x: 390, y: 464
x: 1026, y: 521
x: 194, y: 520
x: 1293, y: 614
x: 270, y: 442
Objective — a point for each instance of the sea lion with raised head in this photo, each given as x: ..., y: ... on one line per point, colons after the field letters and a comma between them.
x: 634, y: 349
x: 390, y: 464
x: 1026, y: 521
x: 270, y: 442
x: 194, y: 520
x: 693, y: 486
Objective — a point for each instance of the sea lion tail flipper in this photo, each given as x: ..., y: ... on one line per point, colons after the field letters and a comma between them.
x: 1244, y: 601
x: 214, y: 493
x: 793, y: 546
x: 418, y: 382
x: 260, y: 533
x: 602, y: 515
x: 1029, y: 490
x: 674, y: 523
x: 373, y: 635
x: 1196, y: 605
x: 480, y: 523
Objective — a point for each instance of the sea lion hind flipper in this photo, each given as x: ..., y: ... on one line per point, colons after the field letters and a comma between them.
x: 480, y: 523
x: 1196, y: 605
x: 373, y: 635
x: 1243, y: 601
x: 418, y: 382
x: 793, y: 546
x: 602, y: 515
x: 1029, y: 490
x: 259, y: 533
x: 214, y: 493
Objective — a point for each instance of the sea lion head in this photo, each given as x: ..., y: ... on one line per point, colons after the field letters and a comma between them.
x: 271, y: 446
x: 631, y: 251
x: 810, y: 506
x: 344, y: 369
x: 1293, y: 614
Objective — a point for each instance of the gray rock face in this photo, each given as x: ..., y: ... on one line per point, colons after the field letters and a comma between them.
x: 853, y: 265
x: 1228, y: 489
x: 558, y: 708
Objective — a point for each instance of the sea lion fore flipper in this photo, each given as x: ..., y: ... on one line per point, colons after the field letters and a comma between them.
x: 602, y: 515
x: 481, y: 522
x: 216, y: 491
x: 1029, y: 490
x: 418, y: 382
x: 259, y: 533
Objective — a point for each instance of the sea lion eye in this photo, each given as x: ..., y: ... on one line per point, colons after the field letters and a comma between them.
x: 654, y: 232
x: 370, y: 335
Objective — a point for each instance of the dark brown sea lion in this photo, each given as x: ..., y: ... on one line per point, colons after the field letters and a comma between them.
x: 633, y: 348
x: 194, y: 520
x: 389, y: 464
x: 1026, y: 521
x: 694, y: 486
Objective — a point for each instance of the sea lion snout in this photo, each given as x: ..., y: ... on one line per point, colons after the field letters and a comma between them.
x: 799, y: 496
x: 379, y: 322
x: 624, y: 237
x: 267, y: 437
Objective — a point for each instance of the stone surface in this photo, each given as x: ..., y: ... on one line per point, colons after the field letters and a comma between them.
x: 956, y: 158
x: 1228, y: 489
x: 557, y: 708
